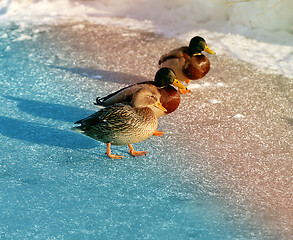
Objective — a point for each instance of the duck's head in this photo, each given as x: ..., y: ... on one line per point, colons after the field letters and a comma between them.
x: 145, y: 97
x: 165, y: 77
x: 197, y: 45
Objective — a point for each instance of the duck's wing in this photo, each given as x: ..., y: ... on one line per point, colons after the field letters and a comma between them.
x: 123, y: 95
x: 103, y: 100
x: 91, y: 120
x: 103, y: 115
x: 175, y: 53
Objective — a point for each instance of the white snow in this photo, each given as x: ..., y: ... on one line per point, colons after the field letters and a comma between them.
x: 259, y: 32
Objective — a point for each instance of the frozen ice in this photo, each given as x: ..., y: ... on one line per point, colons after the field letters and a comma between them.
x: 223, y: 168
x: 215, y: 101
x: 238, y: 115
x: 97, y: 77
x: 56, y: 183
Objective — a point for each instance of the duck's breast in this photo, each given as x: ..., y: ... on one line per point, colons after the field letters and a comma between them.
x: 170, y: 98
x: 198, y: 67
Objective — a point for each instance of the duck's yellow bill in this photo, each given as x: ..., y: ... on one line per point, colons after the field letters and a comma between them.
x: 160, y: 106
x: 179, y: 84
x: 208, y: 50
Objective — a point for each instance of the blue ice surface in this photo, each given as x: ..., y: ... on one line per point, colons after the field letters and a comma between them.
x: 58, y: 184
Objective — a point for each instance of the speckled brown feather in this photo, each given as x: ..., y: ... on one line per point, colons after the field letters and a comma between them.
x: 120, y: 124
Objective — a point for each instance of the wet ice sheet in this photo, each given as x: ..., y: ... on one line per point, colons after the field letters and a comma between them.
x: 222, y: 171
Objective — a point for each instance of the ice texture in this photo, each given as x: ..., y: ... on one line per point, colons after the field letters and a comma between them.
x: 213, y: 175
x: 258, y: 32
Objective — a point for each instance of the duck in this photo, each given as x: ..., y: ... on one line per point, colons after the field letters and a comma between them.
x: 188, y: 63
x: 169, y: 96
x: 124, y: 123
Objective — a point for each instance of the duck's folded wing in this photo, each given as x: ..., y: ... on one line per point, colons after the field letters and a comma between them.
x: 103, y: 116
x: 103, y: 100
x: 123, y: 95
x: 90, y: 120
x: 175, y: 53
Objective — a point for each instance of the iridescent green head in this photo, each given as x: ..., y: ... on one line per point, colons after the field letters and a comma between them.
x: 197, y: 45
x: 165, y: 77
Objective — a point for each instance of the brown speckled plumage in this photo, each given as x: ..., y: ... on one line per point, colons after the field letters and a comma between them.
x: 120, y: 124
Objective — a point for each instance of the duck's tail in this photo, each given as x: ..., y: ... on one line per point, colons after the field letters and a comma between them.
x: 99, y: 102
x: 77, y: 129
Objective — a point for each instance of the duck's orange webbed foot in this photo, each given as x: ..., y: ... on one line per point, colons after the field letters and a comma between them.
x: 113, y: 156
x: 187, y: 81
x: 136, y: 153
x: 182, y: 91
x: 158, y: 133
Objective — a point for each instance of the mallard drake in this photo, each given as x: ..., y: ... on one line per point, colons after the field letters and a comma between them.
x: 188, y: 62
x: 124, y: 124
x: 169, y: 96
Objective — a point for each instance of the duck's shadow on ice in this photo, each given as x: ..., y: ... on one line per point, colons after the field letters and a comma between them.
x: 42, y: 134
x: 50, y: 110
x: 103, y: 75
x: 46, y: 134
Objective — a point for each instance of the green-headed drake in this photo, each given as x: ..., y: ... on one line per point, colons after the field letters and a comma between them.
x: 124, y: 124
x: 169, y: 96
x: 188, y: 62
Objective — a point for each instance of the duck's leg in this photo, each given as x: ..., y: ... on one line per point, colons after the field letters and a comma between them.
x: 115, y: 156
x: 136, y: 153
x: 158, y: 133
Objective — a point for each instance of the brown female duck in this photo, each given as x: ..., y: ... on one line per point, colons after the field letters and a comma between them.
x: 124, y: 124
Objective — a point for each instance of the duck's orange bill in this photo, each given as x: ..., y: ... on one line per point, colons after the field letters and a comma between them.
x: 179, y: 84
x: 159, y: 106
x: 208, y: 50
